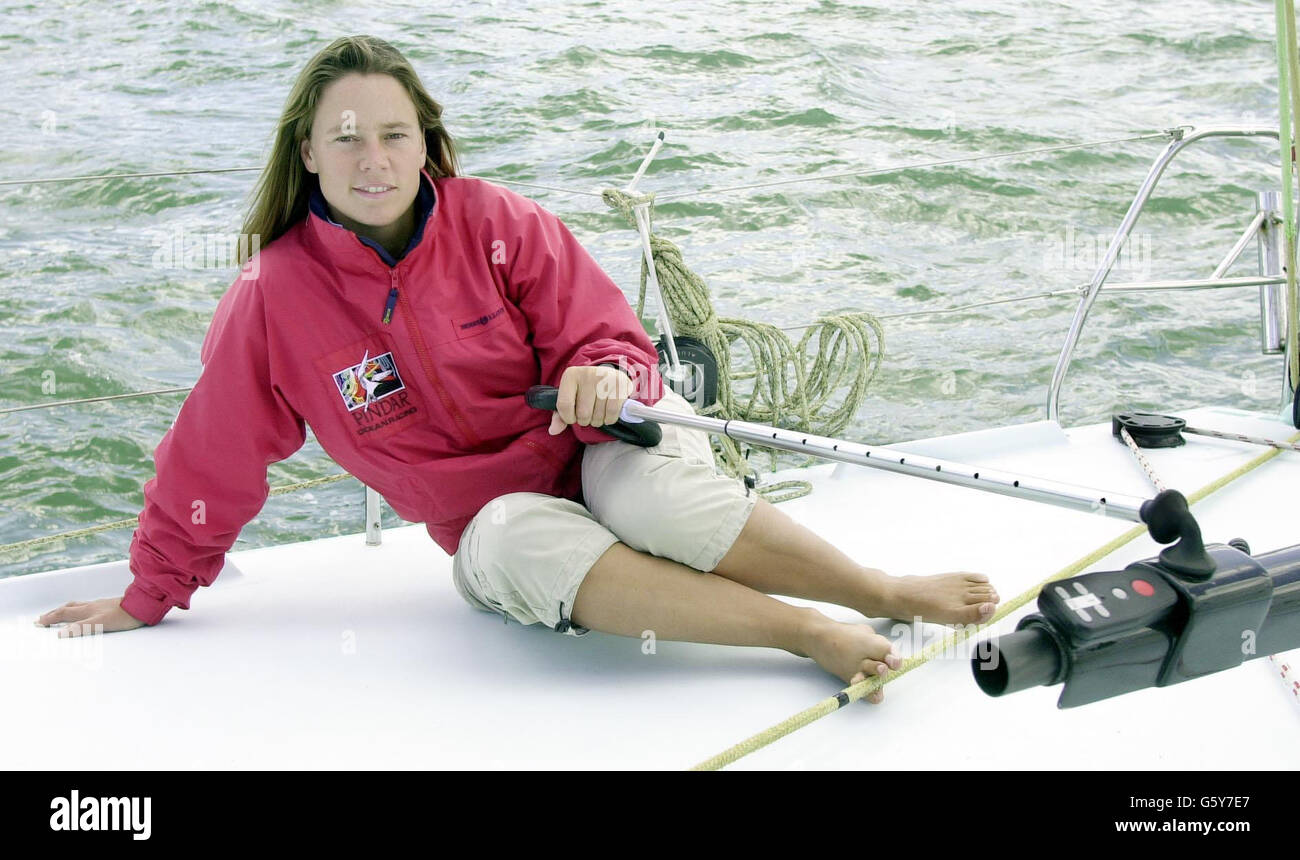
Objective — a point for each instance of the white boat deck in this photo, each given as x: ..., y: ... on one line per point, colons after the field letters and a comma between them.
x: 330, y: 654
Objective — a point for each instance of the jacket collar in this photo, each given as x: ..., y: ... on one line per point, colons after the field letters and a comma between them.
x: 347, y: 246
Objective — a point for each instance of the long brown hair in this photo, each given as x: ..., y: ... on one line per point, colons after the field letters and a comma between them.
x: 281, y: 194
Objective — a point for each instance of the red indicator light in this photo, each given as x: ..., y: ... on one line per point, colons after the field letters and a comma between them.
x: 1142, y: 587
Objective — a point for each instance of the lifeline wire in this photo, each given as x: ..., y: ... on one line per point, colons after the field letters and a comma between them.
x: 923, y: 164
x: 816, y: 178
x: 883, y: 316
x: 135, y: 520
x: 870, y: 685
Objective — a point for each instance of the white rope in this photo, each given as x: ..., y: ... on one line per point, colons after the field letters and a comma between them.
x: 1237, y: 437
x: 1146, y: 465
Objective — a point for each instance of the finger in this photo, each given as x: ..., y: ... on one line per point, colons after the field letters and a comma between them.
x: 881, y: 648
x: 67, y: 612
x: 624, y: 385
x: 610, y: 407
x: 606, y: 399
x: 614, y: 408
x: 609, y: 396
x: 585, y: 404
x: 593, y: 394
x: 55, y: 614
x: 871, y: 668
x: 557, y: 424
x: 564, y: 399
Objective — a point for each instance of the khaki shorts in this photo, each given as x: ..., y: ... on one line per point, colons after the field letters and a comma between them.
x: 524, y: 555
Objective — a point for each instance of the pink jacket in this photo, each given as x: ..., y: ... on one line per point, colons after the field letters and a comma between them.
x: 411, y: 376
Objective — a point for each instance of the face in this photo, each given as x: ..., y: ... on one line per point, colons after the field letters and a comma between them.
x: 365, y: 135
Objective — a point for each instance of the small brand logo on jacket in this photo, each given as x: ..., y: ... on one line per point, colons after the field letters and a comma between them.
x: 102, y: 813
x: 482, y: 320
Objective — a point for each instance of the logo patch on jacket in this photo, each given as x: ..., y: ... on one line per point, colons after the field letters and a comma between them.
x: 368, y: 382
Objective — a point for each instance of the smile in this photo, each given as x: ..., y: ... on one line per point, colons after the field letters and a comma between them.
x: 374, y: 191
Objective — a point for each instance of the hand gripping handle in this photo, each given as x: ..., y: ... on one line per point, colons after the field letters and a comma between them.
x: 635, y: 431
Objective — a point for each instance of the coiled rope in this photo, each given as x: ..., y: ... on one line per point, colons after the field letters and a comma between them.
x: 845, y: 358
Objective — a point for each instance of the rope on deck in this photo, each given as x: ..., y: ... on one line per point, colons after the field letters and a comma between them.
x: 1142, y: 461
x: 865, y: 688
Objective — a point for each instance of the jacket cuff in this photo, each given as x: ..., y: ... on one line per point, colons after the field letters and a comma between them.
x: 137, y: 603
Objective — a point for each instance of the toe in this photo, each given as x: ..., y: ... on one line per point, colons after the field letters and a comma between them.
x: 880, y: 649
x: 874, y: 668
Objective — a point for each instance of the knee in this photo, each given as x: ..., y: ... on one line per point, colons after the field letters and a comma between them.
x: 646, y: 506
x: 505, y: 521
x: 525, y: 553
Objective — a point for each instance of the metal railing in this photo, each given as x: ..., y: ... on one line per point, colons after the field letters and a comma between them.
x: 1264, y: 226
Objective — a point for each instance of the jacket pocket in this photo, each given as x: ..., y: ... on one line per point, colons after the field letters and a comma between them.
x: 678, y: 441
x: 368, y: 389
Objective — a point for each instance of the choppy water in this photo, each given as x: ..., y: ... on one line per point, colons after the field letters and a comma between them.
x: 569, y: 95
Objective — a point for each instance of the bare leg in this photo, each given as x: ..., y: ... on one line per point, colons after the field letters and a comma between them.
x: 627, y: 592
x: 776, y: 555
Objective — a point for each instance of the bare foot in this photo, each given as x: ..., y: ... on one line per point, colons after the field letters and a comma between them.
x: 851, y: 652
x: 944, y: 598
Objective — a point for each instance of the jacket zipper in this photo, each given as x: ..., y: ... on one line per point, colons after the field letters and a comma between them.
x: 392, y: 300
x: 423, y: 354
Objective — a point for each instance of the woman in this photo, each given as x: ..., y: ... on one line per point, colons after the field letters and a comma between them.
x: 403, y: 310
